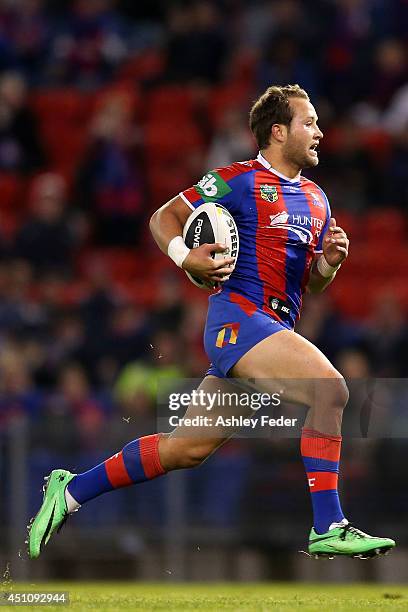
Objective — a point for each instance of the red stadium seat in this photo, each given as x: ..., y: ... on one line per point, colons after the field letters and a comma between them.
x: 169, y: 140
x: 67, y: 104
x: 144, y: 67
x: 378, y: 142
x: 223, y: 98
x: 169, y: 102
x: 9, y: 224
x: 385, y: 223
x: 119, y: 264
x: 63, y: 113
x: 126, y: 93
x: 371, y: 260
x: 350, y: 223
x: 11, y: 187
x: 353, y: 297
x: 64, y: 145
x: 167, y: 181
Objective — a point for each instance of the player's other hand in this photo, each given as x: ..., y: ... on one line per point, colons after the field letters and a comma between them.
x: 200, y: 263
x: 335, y: 244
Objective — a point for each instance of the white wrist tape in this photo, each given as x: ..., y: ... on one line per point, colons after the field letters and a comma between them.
x: 177, y: 250
x: 325, y: 269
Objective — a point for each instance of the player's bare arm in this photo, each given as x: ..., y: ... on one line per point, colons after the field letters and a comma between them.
x: 167, y: 223
x: 335, y: 251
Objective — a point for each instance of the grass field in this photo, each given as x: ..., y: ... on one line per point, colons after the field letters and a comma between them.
x: 213, y: 597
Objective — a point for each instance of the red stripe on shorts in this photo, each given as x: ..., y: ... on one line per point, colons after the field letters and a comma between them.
x: 246, y: 305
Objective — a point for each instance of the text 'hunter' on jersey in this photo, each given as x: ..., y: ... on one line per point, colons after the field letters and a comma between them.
x: 281, y: 223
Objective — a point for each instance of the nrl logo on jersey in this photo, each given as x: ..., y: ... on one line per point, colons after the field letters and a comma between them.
x: 269, y: 193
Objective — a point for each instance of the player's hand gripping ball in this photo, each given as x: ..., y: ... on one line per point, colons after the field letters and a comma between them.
x: 211, y: 234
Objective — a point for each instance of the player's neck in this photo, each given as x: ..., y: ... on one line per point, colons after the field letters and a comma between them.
x: 283, y: 167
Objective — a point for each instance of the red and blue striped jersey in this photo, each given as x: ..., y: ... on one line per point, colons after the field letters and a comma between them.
x: 281, y: 223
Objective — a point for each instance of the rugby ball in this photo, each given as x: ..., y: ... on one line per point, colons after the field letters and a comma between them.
x: 211, y: 223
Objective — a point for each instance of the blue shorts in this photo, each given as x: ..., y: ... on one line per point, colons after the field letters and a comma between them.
x: 234, y: 325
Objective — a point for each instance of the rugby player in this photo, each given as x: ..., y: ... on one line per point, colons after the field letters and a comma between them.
x: 289, y: 243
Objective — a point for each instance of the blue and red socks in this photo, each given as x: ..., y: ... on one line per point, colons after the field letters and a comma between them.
x: 321, y: 457
x: 137, y: 462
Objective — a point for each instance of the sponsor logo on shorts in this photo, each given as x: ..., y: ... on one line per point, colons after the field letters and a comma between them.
x: 269, y: 193
x: 212, y: 187
x: 228, y: 334
x: 278, y: 305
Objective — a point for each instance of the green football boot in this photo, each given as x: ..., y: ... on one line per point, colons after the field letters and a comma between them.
x: 52, y: 514
x: 347, y: 541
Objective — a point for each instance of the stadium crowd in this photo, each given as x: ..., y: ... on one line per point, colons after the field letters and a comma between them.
x: 109, y: 108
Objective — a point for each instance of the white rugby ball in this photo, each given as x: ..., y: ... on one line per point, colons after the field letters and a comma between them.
x: 211, y: 223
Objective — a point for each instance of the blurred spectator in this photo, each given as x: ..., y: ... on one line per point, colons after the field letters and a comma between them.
x: 129, y: 334
x: 353, y: 363
x: 18, y: 396
x: 386, y: 337
x: 72, y: 416
x: 20, y: 145
x: 47, y: 239
x: 161, y: 371
x: 397, y: 177
x: 261, y: 21
x: 389, y: 73
x: 196, y: 45
x: 396, y: 116
x: 90, y: 44
x: 283, y: 62
x: 348, y: 161
x: 81, y: 404
x: 318, y: 320
x: 396, y: 122
x: 20, y: 312
x: 169, y: 313
x: 74, y: 402
x: 110, y: 182
x: 68, y: 344
x: 232, y: 142
x: 25, y: 36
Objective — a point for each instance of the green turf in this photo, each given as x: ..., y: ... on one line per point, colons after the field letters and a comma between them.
x: 213, y: 597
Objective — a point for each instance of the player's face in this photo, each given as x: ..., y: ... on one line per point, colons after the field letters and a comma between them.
x: 303, y: 135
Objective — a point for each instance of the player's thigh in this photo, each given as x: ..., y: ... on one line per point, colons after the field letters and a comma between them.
x: 219, y: 398
x: 288, y: 361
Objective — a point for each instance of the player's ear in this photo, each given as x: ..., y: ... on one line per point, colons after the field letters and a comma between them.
x: 279, y: 132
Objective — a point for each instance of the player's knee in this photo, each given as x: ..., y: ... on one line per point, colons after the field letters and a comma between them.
x: 338, y: 392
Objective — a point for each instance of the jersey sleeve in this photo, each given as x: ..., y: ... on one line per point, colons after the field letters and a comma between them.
x: 319, y: 246
x: 223, y: 185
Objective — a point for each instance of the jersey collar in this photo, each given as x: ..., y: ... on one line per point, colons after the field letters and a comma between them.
x: 260, y: 158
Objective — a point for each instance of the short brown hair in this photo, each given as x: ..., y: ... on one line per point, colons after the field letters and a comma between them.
x: 273, y: 107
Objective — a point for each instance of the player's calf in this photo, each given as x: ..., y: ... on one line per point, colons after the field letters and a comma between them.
x: 182, y: 453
